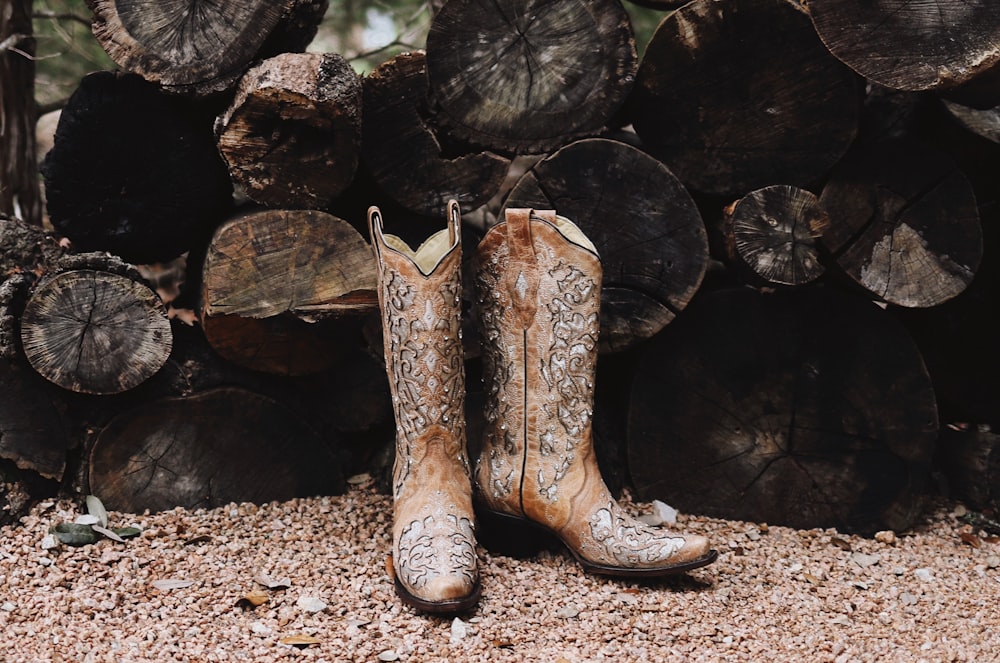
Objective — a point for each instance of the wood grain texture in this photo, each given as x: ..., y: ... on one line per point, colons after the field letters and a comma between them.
x: 529, y: 75
x: 806, y: 407
x: 95, y: 332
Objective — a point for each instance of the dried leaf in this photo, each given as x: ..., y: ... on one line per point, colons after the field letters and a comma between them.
x: 87, y: 519
x: 841, y: 543
x: 274, y: 583
x: 127, y: 532
x: 300, y: 640
x: 96, y: 508
x: 74, y: 535
x: 166, y: 584
x: 108, y: 533
x: 204, y: 538
x: 811, y: 578
x: 971, y: 539
x: 252, y: 599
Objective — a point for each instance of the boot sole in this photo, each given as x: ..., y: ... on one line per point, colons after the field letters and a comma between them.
x: 513, y: 529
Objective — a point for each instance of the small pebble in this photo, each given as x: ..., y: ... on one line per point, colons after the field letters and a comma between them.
x: 311, y: 604
x: 388, y: 655
x: 458, y: 631
x: 907, y: 599
x: 666, y: 513
x: 864, y: 560
x: 993, y: 561
x: 924, y: 574
x: 887, y: 537
x: 568, y: 611
x: 48, y: 542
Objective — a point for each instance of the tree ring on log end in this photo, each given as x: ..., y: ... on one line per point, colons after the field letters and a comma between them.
x: 95, y: 332
x: 526, y: 76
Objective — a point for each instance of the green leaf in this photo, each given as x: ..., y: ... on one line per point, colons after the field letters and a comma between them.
x: 127, y: 532
x: 73, y: 534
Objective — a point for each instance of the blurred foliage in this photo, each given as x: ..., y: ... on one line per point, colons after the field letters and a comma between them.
x: 366, y: 32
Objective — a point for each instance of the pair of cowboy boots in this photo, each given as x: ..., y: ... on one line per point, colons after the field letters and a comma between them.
x: 538, y: 281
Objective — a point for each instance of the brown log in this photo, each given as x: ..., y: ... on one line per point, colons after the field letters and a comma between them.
x: 722, y: 101
x: 970, y: 459
x: 903, y: 223
x: 806, y: 407
x: 134, y: 171
x: 646, y: 228
x: 200, y: 49
x: 207, y: 450
x: 405, y: 156
x: 34, y: 431
x: 982, y: 122
x: 292, y: 134
x: 19, y: 190
x: 772, y: 232
x: 95, y: 331
x: 282, y: 291
x: 912, y: 45
x: 528, y: 76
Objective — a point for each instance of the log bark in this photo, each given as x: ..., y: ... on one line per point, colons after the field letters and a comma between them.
x: 904, y: 223
x: 95, y: 331
x: 806, y: 408
x: 646, y: 228
x: 773, y: 233
x: 200, y: 49
x: 134, y: 172
x: 34, y: 430
x: 19, y: 190
x: 528, y: 76
x: 284, y: 291
x: 912, y: 45
x: 292, y: 134
x: 207, y: 450
x: 970, y: 459
x: 407, y: 158
x: 721, y: 101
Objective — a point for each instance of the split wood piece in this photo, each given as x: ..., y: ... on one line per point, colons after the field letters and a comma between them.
x: 134, y: 172
x: 404, y: 155
x: 19, y: 191
x: 200, y: 49
x: 34, y: 433
x: 773, y: 232
x: 805, y: 408
x: 95, y: 332
x: 207, y: 450
x: 646, y: 228
x: 970, y: 459
x: 721, y: 101
x: 526, y: 76
x: 912, y: 45
x: 292, y: 134
x: 282, y: 288
x: 903, y: 223
x: 984, y: 123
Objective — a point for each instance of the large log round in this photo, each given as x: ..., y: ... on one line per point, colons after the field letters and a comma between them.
x: 805, y: 407
x: 645, y: 226
x: 34, y: 433
x: 526, y: 76
x: 735, y: 95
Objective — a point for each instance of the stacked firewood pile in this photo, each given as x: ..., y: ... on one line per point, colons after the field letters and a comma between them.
x: 795, y: 206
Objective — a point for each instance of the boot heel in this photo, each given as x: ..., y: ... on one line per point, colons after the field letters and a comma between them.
x: 507, y: 535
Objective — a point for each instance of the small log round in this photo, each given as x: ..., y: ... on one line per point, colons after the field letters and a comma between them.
x: 644, y: 224
x: 904, y: 223
x: 207, y: 450
x: 133, y: 171
x: 405, y: 156
x: 292, y: 133
x: 806, y: 407
x: 200, y: 49
x: 527, y: 76
x: 773, y: 232
x: 982, y: 122
x: 280, y: 289
x: 912, y: 45
x: 95, y: 332
x: 721, y: 101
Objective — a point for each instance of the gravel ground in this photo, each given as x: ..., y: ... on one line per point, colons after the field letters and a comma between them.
x: 184, y: 590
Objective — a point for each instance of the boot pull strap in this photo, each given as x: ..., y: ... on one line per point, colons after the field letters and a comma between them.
x: 454, y: 222
x: 375, y: 229
x: 522, y: 272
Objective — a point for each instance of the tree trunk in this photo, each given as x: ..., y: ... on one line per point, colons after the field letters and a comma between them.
x: 805, y: 408
x: 528, y: 76
x: 207, y: 450
x: 646, y: 228
x: 201, y: 49
x: 19, y: 190
x: 406, y: 157
x: 912, y: 45
x: 286, y: 291
x: 772, y: 232
x: 94, y: 327
x: 134, y: 172
x: 723, y: 101
x: 292, y: 134
x: 904, y: 223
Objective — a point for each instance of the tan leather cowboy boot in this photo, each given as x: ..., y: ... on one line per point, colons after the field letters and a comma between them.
x: 539, y: 281
x: 434, y: 555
